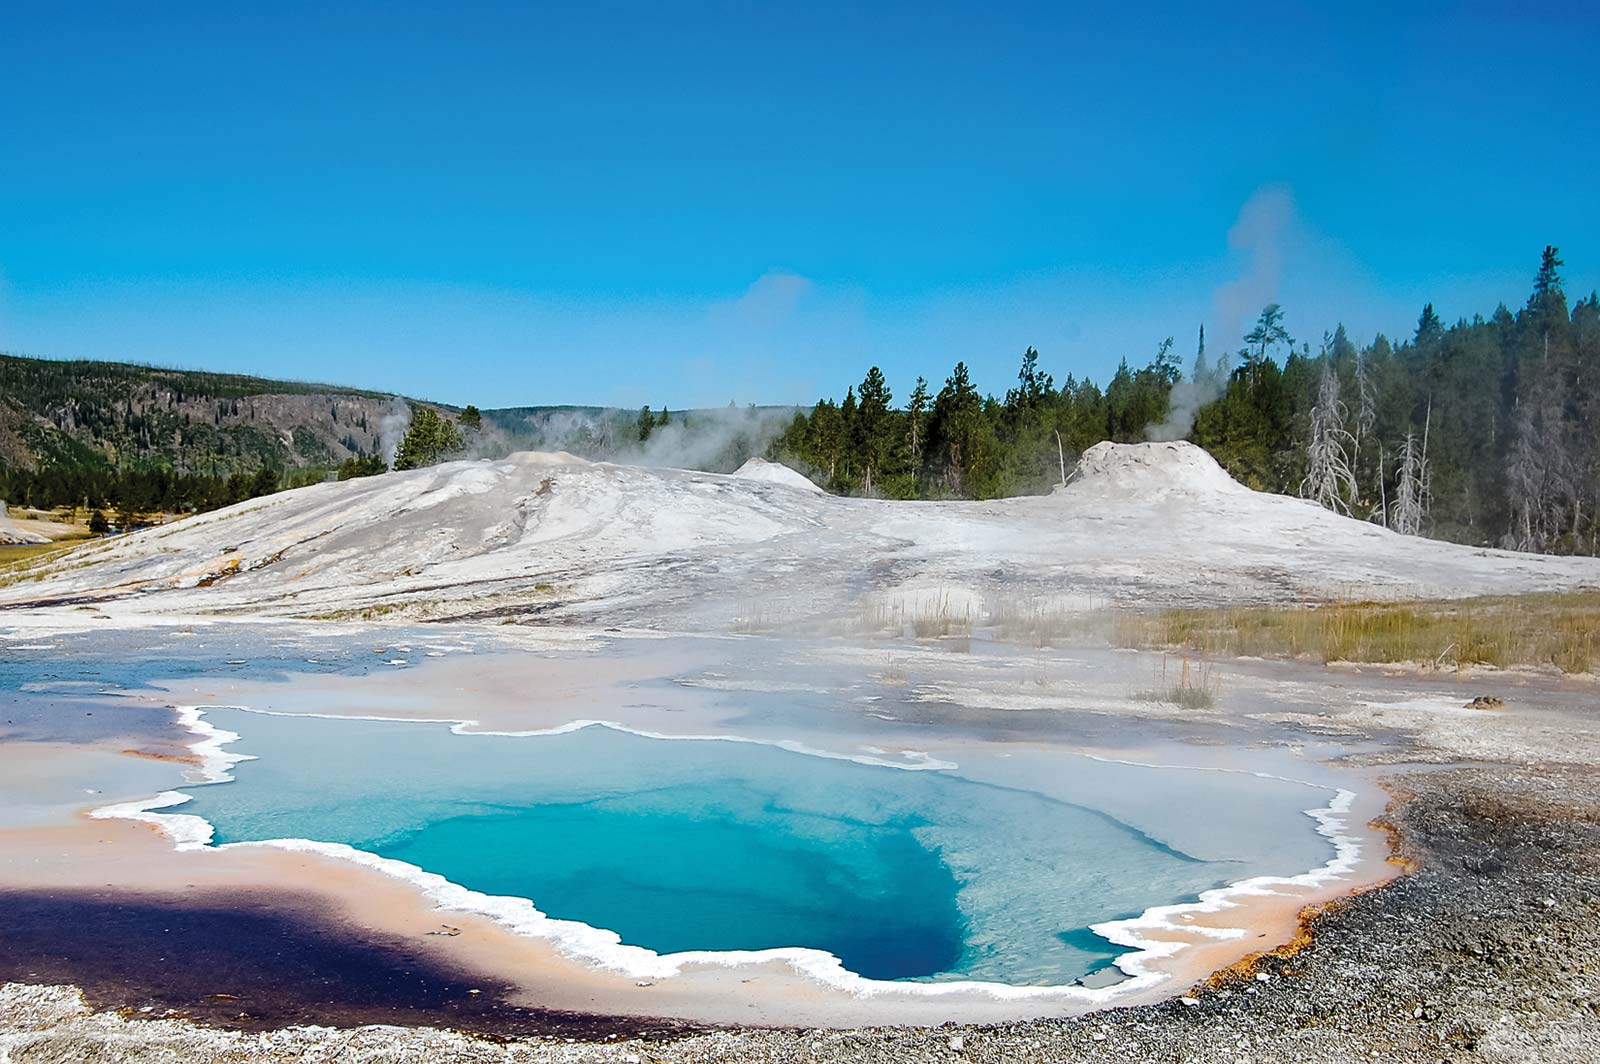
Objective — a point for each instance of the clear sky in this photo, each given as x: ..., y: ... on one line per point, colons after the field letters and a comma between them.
x: 592, y: 203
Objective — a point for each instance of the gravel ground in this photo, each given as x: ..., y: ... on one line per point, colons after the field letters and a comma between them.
x: 1488, y: 951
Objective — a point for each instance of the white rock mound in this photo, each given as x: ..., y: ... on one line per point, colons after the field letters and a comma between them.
x: 1131, y: 470
x: 542, y: 537
x: 775, y: 473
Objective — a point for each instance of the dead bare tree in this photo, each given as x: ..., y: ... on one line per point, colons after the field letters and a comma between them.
x: 1541, y: 480
x: 1411, y: 499
x: 1366, y: 413
x: 1329, y: 480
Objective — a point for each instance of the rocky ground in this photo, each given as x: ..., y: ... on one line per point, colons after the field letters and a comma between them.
x: 1488, y: 951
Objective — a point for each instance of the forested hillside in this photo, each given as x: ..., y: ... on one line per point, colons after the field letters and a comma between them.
x: 142, y: 440
x: 108, y: 433
x: 1484, y: 431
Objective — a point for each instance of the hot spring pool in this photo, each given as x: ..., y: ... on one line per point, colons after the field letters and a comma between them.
x: 707, y: 845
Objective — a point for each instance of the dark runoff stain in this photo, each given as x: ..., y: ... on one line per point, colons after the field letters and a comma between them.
x: 263, y: 962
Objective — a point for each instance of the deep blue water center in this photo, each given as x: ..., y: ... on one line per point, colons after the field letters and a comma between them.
x: 674, y: 874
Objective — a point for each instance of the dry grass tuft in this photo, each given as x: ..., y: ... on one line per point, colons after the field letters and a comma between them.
x: 1042, y: 623
x: 932, y: 618
x: 1558, y: 630
x: 1190, y: 686
x: 894, y: 673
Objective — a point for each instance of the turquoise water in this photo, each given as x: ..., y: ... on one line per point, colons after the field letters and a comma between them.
x: 707, y: 845
x: 677, y: 869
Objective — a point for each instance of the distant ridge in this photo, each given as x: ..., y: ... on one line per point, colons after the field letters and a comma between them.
x: 93, y: 433
x: 84, y: 415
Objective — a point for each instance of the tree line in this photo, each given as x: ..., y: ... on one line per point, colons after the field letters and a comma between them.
x: 1482, y: 431
x: 132, y: 492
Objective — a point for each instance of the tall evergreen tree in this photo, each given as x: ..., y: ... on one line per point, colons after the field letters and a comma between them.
x: 873, y: 429
x: 1547, y: 285
x: 960, y: 436
x: 1429, y: 327
x: 917, y: 408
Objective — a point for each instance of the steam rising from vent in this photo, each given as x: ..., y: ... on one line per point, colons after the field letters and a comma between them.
x: 718, y: 440
x: 1259, y: 233
x: 1203, y: 385
x: 392, y: 428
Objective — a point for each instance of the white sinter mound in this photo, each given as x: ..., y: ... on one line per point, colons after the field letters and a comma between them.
x: 553, y: 536
x: 775, y: 473
x: 1137, y: 469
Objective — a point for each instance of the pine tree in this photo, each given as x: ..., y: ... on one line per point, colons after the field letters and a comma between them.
x: 1541, y: 468
x: 916, y: 417
x: 1033, y: 387
x: 871, y: 431
x: 958, y: 431
x: 1547, y: 285
x: 826, y: 438
x: 1167, y: 368
x: 1267, y: 334
x: 429, y: 439
x: 1429, y: 327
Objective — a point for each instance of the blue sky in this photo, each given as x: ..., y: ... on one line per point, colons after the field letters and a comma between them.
x: 687, y: 204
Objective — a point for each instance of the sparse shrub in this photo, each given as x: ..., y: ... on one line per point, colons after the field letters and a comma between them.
x: 362, y: 466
